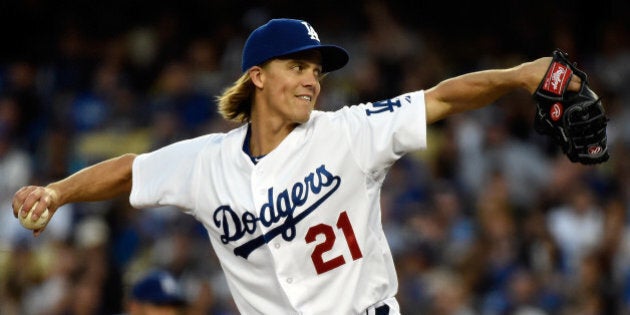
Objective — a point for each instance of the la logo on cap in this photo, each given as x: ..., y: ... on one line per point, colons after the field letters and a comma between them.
x: 311, y: 31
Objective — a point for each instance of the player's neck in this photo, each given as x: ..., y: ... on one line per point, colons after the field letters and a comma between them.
x: 266, y: 135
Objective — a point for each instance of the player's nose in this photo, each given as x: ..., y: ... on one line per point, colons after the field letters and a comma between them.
x: 310, y: 80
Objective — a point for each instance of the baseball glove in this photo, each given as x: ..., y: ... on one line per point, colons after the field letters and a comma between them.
x: 575, y: 121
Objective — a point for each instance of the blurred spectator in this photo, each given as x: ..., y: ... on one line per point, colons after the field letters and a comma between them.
x: 15, y: 167
x: 487, y: 147
x: 448, y: 296
x: 175, y: 94
x: 22, y: 87
x: 525, y: 295
x: 494, y: 258
x: 579, y: 212
x: 97, y: 283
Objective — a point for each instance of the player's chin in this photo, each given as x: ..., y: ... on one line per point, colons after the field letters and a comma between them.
x: 302, y: 119
x: 303, y: 115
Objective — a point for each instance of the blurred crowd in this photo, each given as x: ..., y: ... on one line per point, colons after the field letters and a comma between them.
x: 490, y: 219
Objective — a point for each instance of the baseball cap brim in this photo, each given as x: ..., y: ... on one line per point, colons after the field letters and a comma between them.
x: 333, y: 57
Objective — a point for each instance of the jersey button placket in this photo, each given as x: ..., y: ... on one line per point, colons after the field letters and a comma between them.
x: 258, y: 181
x: 260, y: 185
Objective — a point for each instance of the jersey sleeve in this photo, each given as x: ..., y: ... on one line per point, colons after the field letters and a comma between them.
x: 167, y: 176
x: 382, y: 132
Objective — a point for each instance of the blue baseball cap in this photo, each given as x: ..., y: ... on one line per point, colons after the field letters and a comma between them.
x: 158, y: 287
x: 281, y: 37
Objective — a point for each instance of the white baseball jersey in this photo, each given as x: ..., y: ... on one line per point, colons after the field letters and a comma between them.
x: 300, y: 231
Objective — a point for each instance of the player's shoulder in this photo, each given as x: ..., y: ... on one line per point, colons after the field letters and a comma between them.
x: 331, y: 115
x: 211, y: 140
x: 360, y: 114
x: 340, y: 115
x: 237, y: 132
x: 333, y: 119
x: 324, y: 119
x: 221, y: 139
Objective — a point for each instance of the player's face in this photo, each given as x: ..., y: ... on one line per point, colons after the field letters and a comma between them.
x: 291, y: 86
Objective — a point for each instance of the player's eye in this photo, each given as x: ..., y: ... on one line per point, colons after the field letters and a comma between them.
x: 318, y: 73
x: 300, y: 68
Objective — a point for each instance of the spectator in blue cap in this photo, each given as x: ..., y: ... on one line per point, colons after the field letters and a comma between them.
x: 157, y: 293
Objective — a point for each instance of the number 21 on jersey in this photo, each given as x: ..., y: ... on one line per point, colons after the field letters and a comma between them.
x: 329, y: 239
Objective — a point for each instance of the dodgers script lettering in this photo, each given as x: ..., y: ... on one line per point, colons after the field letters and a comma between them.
x: 312, y: 192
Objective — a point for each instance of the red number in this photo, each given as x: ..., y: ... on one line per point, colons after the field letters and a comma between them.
x: 322, y: 266
x: 343, y: 223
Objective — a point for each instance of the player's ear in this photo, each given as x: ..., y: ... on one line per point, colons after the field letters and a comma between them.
x: 255, y: 74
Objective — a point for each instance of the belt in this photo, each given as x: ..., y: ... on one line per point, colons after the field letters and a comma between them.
x: 382, y: 310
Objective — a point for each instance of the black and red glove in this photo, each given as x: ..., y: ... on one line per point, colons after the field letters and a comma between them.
x: 575, y: 121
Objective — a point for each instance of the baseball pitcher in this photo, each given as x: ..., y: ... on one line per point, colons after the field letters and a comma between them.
x: 290, y: 199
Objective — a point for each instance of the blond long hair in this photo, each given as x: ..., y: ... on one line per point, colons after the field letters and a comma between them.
x: 235, y: 104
